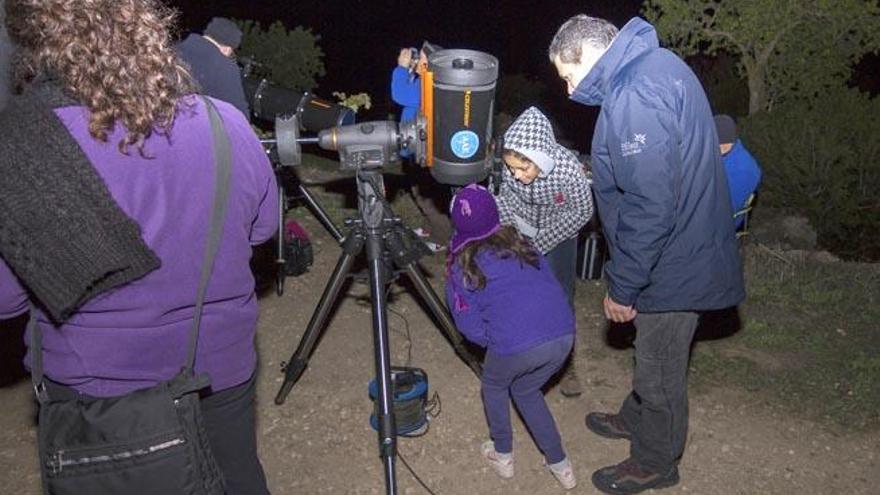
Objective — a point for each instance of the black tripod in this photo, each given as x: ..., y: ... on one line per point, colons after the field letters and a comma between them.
x: 287, y: 177
x: 382, y: 233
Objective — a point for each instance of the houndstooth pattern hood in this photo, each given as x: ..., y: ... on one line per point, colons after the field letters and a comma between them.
x: 558, y: 202
x: 532, y: 135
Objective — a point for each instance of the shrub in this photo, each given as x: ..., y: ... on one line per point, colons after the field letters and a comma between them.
x: 354, y: 101
x: 823, y: 158
x: 289, y: 58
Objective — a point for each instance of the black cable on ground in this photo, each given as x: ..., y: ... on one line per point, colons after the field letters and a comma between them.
x: 413, y: 473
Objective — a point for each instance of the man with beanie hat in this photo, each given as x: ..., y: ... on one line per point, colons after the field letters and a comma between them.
x: 210, y: 58
x: 743, y: 172
x: 547, y: 197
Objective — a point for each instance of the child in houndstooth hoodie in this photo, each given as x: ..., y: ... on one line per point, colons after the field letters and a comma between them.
x: 547, y: 197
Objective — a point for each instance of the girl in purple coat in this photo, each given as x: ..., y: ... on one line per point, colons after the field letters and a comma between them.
x: 504, y: 297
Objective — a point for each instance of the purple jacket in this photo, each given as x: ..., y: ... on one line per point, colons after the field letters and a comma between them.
x: 135, y: 336
x: 520, y: 307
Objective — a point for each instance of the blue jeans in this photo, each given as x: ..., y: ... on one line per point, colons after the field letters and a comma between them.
x: 656, y: 411
x: 521, y: 376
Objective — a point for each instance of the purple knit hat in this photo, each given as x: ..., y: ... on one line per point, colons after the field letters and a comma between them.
x: 474, y: 216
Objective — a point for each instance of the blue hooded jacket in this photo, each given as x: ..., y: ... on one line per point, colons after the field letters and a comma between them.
x: 743, y: 177
x: 659, y: 182
x: 406, y: 91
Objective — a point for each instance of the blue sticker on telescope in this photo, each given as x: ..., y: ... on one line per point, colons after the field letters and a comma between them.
x: 464, y: 144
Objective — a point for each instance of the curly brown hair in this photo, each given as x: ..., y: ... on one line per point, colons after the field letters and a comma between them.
x: 113, y: 56
x: 505, y: 243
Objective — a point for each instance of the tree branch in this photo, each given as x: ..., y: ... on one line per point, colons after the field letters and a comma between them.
x: 766, y: 52
x: 714, y: 33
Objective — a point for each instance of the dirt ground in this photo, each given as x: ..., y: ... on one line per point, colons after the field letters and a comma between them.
x: 320, y: 440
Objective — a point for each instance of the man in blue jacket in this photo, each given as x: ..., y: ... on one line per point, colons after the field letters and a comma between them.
x: 665, y: 208
x: 743, y: 172
x: 210, y: 56
x: 430, y: 198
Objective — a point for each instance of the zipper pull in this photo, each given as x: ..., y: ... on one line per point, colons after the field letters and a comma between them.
x: 54, y: 462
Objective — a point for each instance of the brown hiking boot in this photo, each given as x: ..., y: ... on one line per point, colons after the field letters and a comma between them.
x: 628, y: 477
x: 570, y: 384
x: 607, y: 425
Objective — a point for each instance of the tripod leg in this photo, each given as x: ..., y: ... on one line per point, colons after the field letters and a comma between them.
x: 438, y: 309
x: 280, y: 269
x: 319, y: 213
x: 298, y: 361
x: 404, y: 258
x: 385, y: 414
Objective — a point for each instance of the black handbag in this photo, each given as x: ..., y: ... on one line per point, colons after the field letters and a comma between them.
x: 147, y: 442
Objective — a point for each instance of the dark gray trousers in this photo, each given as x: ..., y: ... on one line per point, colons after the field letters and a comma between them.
x: 656, y: 411
x: 563, y: 263
x: 230, y: 420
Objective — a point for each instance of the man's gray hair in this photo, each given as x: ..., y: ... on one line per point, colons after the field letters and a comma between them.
x: 580, y: 29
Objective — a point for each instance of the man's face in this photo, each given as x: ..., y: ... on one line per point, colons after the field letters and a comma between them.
x: 227, y: 51
x: 523, y: 170
x: 725, y: 148
x: 575, y: 72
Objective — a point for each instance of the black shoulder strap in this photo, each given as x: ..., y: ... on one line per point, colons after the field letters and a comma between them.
x: 223, y: 171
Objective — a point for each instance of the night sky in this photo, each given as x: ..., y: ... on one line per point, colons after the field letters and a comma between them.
x: 361, y: 39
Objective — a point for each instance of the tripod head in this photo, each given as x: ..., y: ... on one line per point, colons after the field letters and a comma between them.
x: 375, y: 144
x: 367, y: 145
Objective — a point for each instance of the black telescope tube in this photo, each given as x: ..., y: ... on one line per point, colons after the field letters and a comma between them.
x: 268, y: 101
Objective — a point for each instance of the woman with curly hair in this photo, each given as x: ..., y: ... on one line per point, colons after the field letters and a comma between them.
x: 106, y: 187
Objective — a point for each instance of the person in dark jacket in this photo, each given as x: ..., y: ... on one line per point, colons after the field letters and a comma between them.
x: 743, y: 172
x: 663, y: 200
x: 210, y: 58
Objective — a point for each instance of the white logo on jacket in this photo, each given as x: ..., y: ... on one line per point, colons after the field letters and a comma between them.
x: 634, y: 147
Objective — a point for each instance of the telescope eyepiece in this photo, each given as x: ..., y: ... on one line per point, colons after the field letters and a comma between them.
x: 463, y: 63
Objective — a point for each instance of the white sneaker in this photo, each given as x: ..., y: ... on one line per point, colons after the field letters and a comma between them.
x: 420, y: 232
x: 501, y: 463
x: 564, y: 473
x: 434, y: 247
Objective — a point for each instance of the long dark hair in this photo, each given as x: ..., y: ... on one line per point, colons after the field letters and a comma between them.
x: 505, y: 243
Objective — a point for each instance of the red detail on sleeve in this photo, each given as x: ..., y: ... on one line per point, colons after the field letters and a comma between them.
x: 461, y: 304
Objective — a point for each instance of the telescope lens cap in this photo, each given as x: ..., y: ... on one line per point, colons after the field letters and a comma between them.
x: 463, y: 63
